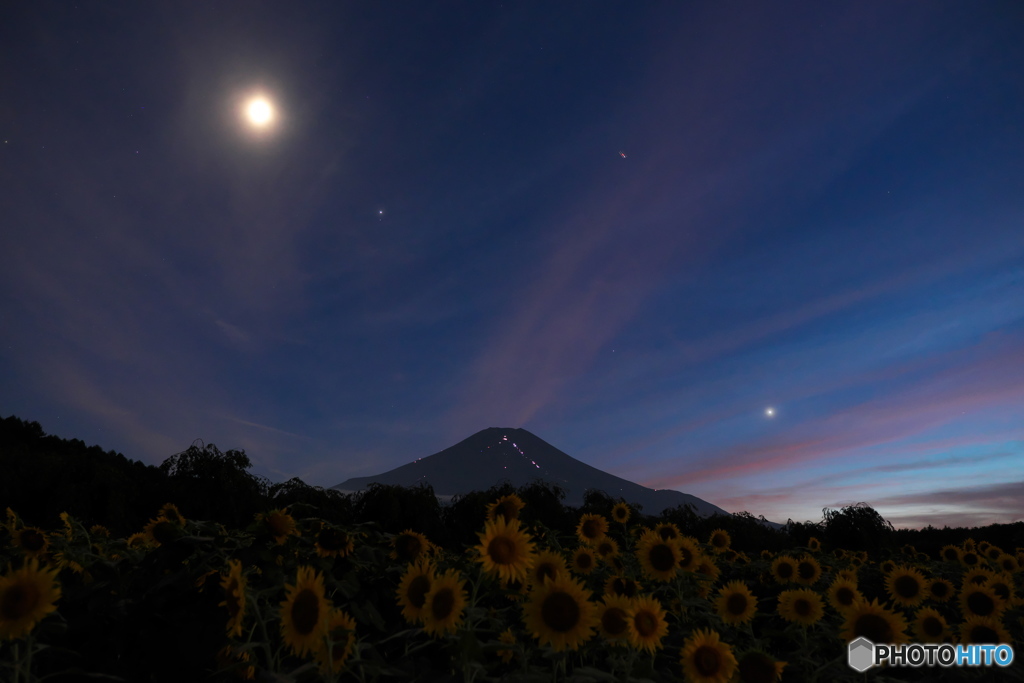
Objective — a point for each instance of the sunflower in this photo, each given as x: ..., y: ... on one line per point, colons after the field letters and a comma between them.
x: 340, y: 643
x: 444, y: 604
x: 506, y: 638
x: 613, y: 619
x: 940, y: 590
x: 1004, y: 587
x: 99, y: 530
x: 505, y: 550
x: 814, y: 545
x: 847, y: 574
x: 767, y: 554
x: 547, y: 564
x: 758, y: 667
x: 592, y: 528
x: 735, y: 603
x: 706, y: 567
x: 413, y: 589
x: 969, y: 558
x: 875, y: 622
x: 842, y: 594
x: 993, y: 552
x: 560, y: 614
x: 720, y: 540
x: 977, y: 629
x: 784, y: 569
x: 980, y: 601
x: 607, y: 548
x: 171, y: 512
x: 279, y: 524
x: 304, y: 612
x: 705, y: 659
x: 978, y: 576
x: 622, y: 586
x: 409, y: 546
x: 659, y: 558
x: 234, y: 585
x: 808, y: 571
x: 668, y: 531
x: 1008, y: 563
x: 507, y: 507
x: 930, y: 626
x: 690, y: 556
x: 160, y: 531
x: 137, y: 540
x: 906, y: 586
x: 621, y: 512
x: 950, y: 553
x: 26, y: 596
x: 802, y: 606
x: 584, y: 560
x: 32, y: 541
x: 333, y: 542
x: 968, y: 544
x: 647, y: 625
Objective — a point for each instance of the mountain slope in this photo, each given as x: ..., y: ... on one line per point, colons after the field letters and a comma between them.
x: 496, y: 455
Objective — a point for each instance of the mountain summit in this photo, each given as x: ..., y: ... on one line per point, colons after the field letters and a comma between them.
x: 496, y: 455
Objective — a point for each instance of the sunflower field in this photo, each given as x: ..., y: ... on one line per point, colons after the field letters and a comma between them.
x: 619, y: 597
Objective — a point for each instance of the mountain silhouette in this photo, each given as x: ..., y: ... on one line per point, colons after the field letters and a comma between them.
x: 496, y: 455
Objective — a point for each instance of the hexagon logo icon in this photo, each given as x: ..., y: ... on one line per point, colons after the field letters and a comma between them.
x: 861, y: 654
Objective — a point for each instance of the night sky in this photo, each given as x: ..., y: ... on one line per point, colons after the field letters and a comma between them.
x: 630, y: 228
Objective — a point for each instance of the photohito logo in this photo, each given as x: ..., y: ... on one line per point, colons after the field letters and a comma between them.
x: 863, y: 654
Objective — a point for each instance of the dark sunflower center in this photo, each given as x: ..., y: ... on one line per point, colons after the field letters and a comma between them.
x: 278, y: 525
x: 845, y: 596
x: 32, y: 540
x: 613, y: 621
x: 502, y: 550
x: 718, y: 541
x: 970, y: 559
x: 591, y: 528
x: 906, y: 587
x: 736, y: 604
x: 560, y: 612
x: 306, y: 612
x: 164, y: 532
x: 667, y: 533
x: 984, y: 634
x: 332, y: 539
x: 545, y: 570
x: 662, y: 558
x: 645, y: 624
x: 932, y: 627
x: 757, y: 668
x: 803, y: 607
x: 785, y: 570
x: 950, y: 555
x: 585, y: 561
x: 18, y: 601
x: 416, y: 594
x: 443, y: 604
x: 707, y: 660
x: 806, y: 570
x: 981, y: 604
x: 940, y: 589
x: 508, y: 511
x: 605, y: 548
x: 874, y: 627
x: 408, y: 548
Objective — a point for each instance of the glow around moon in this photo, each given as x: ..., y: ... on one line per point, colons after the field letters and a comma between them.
x: 770, y: 412
x: 259, y: 111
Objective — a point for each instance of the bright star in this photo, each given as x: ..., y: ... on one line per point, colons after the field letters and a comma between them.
x: 259, y: 111
x: 770, y: 412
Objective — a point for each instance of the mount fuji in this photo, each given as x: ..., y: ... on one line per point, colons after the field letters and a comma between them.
x: 497, y: 455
